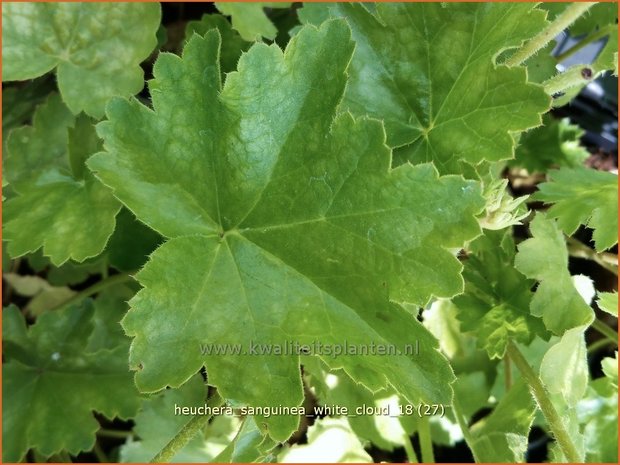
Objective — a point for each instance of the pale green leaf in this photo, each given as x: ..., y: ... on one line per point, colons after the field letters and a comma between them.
x: 96, y: 48
x: 428, y: 70
x: 608, y: 302
x: 336, y: 388
x: 290, y: 218
x: 583, y: 196
x: 248, y: 446
x: 544, y: 257
x: 156, y: 424
x: 555, y: 144
x: 564, y: 368
x: 59, y: 206
x: 330, y: 440
x: 250, y: 18
x: 502, y: 436
x: 51, y: 385
x: 610, y: 368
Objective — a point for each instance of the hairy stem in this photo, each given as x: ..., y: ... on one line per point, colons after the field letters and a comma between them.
x: 577, y: 75
x: 565, y: 19
x: 602, y: 32
x: 578, y: 249
x: 469, y: 440
x: 544, y: 402
x: 426, y: 443
x: 605, y: 330
x: 190, y: 429
x: 97, y: 287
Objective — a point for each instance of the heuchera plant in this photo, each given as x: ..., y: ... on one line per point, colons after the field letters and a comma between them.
x: 299, y: 196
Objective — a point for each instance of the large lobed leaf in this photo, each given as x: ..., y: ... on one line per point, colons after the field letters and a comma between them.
x: 428, y: 70
x: 55, y: 377
x: 59, y: 205
x: 284, y: 222
x: 96, y: 48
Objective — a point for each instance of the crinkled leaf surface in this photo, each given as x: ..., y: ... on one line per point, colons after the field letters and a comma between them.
x: 156, y: 425
x: 96, y: 48
x: 495, y: 305
x: 582, y: 196
x: 552, y: 145
x: 250, y: 18
x: 61, y: 206
x: 503, y: 435
x: 285, y: 223
x: 232, y: 43
x: 428, y: 71
x: 544, y: 257
x: 51, y: 384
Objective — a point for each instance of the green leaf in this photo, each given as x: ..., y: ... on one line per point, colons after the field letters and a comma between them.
x: 292, y: 225
x: 544, y: 257
x: 330, y: 440
x: 564, y: 368
x: 232, y: 43
x: 156, y: 424
x: 96, y: 48
x: 555, y: 144
x: 582, y: 196
x: 57, y: 200
x: 598, y: 415
x: 336, y: 388
x: 428, y: 70
x: 502, y: 436
x: 608, y: 302
x: 248, y: 446
x: 51, y: 374
x: 250, y: 18
x: 496, y: 302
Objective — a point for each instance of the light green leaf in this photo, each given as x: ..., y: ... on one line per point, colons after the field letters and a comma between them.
x: 495, y: 305
x: 56, y: 200
x: 564, y: 368
x: 248, y: 446
x: 330, y: 440
x: 461, y: 108
x: 598, y: 415
x: 60, y: 384
x: 502, y: 436
x: 232, y: 43
x: 336, y: 388
x: 610, y: 368
x: 555, y: 144
x: 544, y: 257
x: 290, y: 219
x: 608, y: 302
x: 157, y: 423
x: 582, y: 196
x: 250, y: 18
x: 96, y: 48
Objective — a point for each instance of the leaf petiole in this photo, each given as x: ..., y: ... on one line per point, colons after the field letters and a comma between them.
x: 565, y: 19
x: 538, y: 390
